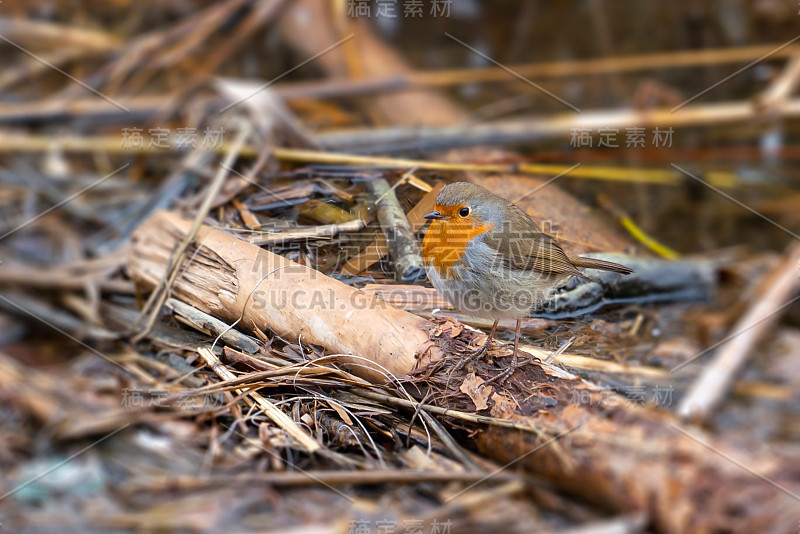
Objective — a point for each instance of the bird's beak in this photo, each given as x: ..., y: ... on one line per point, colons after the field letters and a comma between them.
x: 433, y: 215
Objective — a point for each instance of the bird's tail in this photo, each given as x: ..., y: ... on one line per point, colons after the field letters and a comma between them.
x: 601, y: 265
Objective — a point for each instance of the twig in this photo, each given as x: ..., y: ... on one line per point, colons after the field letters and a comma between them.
x: 719, y: 374
x: 464, y: 416
x: 315, y: 232
x: 624, y: 524
x: 20, y: 143
x: 603, y: 65
x: 650, y: 176
x: 400, y: 237
x: 537, y: 128
x: 212, y: 326
x: 779, y: 91
x: 41, y: 34
x: 57, y: 318
x: 586, y: 363
x: 449, y: 442
x: 335, y: 88
x: 378, y: 248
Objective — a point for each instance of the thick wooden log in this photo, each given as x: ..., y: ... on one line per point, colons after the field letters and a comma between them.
x: 232, y: 279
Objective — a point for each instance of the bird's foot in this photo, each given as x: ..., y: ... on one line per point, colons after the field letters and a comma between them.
x: 473, y: 355
x: 508, y: 371
x: 504, y: 375
x: 480, y: 352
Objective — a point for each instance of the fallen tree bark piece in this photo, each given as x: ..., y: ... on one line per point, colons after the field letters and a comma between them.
x: 232, y: 280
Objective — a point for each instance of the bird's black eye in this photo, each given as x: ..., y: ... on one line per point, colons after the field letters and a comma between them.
x: 463, y: 211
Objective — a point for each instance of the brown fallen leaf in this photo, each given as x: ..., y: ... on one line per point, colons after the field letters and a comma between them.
x: 473, y: 386
x: 341, y: 411
x: 504, y: 407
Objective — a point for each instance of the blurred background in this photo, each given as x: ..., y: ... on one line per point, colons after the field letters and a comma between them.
x: 663, y: 131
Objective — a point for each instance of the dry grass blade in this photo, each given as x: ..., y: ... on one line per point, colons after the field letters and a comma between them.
x: 277, y: 416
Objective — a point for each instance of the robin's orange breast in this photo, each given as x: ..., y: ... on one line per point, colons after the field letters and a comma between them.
x: 446, y: 242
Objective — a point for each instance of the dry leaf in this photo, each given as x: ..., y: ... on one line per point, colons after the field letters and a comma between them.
x: 476, y: 390
x: 455, y: 330
x: 504, y: 407
x: 341, y: 411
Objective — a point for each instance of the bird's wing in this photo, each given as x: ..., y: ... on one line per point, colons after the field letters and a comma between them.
x: 530, y: 250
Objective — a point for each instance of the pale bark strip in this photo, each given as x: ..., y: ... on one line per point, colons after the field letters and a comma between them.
x: 232, y: 279
x: 212, y: 326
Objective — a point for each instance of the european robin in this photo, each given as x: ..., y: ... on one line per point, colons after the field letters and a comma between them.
x: 489, y: 259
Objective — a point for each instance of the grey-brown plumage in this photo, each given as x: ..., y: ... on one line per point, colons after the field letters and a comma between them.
x: 488, y: 258
x: 517, y: 239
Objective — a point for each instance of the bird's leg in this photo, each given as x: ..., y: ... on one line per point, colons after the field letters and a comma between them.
x: 475, y: 354
x: 502, y: 377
